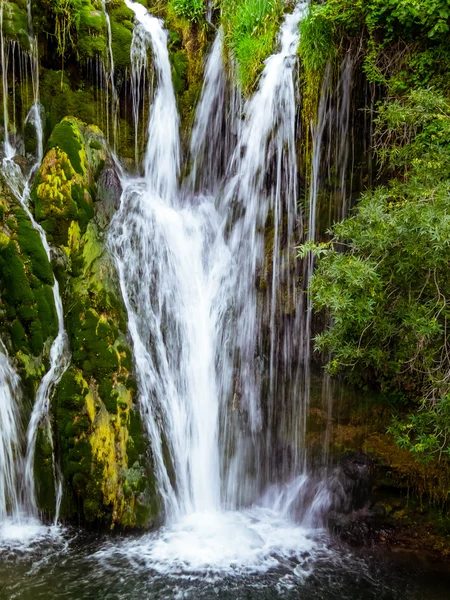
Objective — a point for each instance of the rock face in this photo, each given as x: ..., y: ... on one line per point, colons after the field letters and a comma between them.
x: 99, y: 437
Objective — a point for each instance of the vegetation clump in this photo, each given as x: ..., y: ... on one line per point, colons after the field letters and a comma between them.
x: 383, y: 277
x: 251, y: 28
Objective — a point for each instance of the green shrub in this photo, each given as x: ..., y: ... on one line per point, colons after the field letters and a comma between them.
x: 383, y: 279
x: 251, y: 28
x: 193, y: 10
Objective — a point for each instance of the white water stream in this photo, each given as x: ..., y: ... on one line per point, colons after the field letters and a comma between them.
x: 187, y: 266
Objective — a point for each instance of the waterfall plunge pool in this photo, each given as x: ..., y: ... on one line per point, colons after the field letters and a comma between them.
x: 247, y: 555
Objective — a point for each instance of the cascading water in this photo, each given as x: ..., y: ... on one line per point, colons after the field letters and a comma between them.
x: 186, y: 279
x: 216, y: 125
x: 266, y: 215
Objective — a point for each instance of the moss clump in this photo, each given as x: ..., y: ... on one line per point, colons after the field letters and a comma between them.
x: 62, y: 192
x: 25, y: 286
x: 67, y: 137
x: 15, y: 22
x: 188, y: 45
x: 92, y: 33
x: 122, y: 34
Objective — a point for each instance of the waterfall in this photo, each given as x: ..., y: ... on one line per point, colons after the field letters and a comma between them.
x: 169, y: 281
x: 216, y: 124
x: 264, y: 366
x: 188, y: 259
x: 10, y: 439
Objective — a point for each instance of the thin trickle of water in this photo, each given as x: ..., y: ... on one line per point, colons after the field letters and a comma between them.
x: 10, y: 439
x: 216, y: 125
x: 317, y: 133
x: 343, y: 118
x: 112, y: 103
x: 8, y: 149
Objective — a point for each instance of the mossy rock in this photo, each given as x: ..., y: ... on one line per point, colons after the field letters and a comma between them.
x: 121, y: 18
x: 26, y: 280
x: 63, y: 188
x: 15, y: 22
x: 100, y: 441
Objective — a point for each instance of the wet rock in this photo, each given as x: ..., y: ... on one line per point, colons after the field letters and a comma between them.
x: 109, y: 192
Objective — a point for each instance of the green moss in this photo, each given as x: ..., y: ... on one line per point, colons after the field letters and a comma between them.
x: 43, y: 472
x: 15, y: 22
x: 67, y: 137
x: 32, y: 249
x: 122, y: 34
x: 91, y: 33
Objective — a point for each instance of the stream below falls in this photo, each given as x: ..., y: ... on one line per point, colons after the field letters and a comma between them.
x: 66, y: 563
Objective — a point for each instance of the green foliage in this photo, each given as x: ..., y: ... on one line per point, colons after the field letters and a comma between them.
x: 383, y: 278
x: 317, y: 33
x: 193, y: 10
x: 427, y: 432
x: 404, y: 41
x: 251, y: 28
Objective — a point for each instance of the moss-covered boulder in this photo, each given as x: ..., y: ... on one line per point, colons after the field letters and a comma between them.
x: 99, y: 436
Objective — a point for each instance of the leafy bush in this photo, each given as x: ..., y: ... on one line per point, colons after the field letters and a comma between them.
x: 383, y: 278
x: 193, y: 10
x: 399, y: 38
